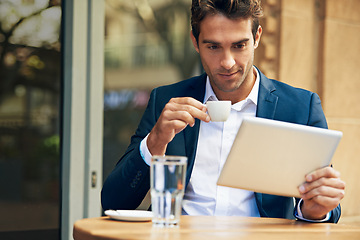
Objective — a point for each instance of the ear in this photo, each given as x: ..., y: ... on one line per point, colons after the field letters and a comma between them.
x: 257, y: 37
x: 195, y: 43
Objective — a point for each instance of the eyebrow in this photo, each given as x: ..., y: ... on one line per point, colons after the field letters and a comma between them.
x: 217, y: 43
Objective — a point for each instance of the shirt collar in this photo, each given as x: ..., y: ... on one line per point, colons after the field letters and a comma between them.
x: 252, y: 97
x: 209, y: 92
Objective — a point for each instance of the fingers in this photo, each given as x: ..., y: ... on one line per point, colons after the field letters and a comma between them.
x: 177, y: 114
x: 322, y: 191
x: 335, y: 190
x: 328, y: 172
x: 329, y: 202
x: 186, y: 109
x: 188, y: 101
x: 330, y: 182
x: 324, y: 181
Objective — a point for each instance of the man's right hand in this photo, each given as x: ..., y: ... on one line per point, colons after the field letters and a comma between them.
x: 176, y: 115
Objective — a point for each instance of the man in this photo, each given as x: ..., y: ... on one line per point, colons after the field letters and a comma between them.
x: 225, y: 34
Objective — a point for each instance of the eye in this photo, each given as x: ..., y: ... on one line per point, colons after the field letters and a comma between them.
x: 213, y: 47
x: 240, y: 45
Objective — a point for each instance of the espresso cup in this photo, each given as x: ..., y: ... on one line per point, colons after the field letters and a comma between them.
x: 218, y: 111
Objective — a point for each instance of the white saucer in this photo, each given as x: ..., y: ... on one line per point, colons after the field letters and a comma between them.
x: 130, y: 215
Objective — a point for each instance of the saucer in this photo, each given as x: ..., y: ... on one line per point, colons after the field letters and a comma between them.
x: 130, y: 215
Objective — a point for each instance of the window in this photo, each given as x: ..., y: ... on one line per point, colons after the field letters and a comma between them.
x: 146, y: 45
x: 29, y: 118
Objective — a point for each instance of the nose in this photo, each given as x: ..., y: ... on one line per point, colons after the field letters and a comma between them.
x: 227, y: 60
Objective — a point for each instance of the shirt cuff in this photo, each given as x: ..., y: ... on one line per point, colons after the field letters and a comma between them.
x: 144, y: 151
x: 299, y: 215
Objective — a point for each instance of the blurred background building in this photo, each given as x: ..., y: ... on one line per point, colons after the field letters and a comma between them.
x: 312, y: 44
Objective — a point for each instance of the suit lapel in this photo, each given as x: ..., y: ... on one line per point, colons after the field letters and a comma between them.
x: 267, y: 101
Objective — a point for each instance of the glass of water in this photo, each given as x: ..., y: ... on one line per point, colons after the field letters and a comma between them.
x: 167, y: 181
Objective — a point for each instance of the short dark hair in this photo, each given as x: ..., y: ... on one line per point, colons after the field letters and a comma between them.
x: 232, y: 9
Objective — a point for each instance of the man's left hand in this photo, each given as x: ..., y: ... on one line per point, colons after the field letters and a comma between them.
x: 321, y: 193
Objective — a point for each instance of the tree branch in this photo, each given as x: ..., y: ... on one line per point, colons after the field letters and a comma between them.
x: 12, y: 29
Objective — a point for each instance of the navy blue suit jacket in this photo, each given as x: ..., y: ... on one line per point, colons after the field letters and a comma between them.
x: 129, y: 182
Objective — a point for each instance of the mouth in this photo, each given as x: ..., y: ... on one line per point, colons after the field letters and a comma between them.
x: 228, y: 75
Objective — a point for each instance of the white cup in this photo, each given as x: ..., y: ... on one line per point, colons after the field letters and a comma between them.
x: 219, y: 111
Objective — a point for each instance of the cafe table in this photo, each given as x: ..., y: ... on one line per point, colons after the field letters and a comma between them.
x: 211, y: 227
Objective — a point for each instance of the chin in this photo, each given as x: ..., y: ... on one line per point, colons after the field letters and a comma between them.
x: 229, y: 89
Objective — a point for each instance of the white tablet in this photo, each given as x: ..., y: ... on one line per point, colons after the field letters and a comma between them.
x: 273, y: 157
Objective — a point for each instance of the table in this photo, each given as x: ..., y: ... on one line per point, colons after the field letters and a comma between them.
x: 209, y: 227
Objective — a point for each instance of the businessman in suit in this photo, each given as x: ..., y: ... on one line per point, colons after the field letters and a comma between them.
x: 225, y: 34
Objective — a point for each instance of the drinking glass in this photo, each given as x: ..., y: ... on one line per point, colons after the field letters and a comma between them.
x: 167, y: 181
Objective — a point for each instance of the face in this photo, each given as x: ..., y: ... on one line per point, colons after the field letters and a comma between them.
x: 226, y: 47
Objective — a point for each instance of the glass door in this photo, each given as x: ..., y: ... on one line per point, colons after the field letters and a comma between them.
x: 147, y: 44
x: 29, y: 119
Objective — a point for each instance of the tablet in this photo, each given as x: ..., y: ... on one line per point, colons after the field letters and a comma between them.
x: 273, y: 157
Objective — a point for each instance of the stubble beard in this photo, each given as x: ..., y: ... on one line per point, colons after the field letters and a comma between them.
x: 238, y: 82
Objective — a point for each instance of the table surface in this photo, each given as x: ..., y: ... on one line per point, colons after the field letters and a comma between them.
x: 206, y: 227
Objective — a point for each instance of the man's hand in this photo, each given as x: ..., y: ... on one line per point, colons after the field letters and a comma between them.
x: 176, y: 115
x: 321, y: 193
